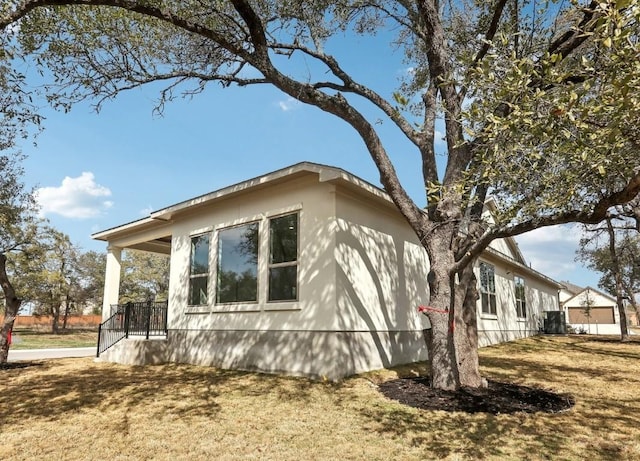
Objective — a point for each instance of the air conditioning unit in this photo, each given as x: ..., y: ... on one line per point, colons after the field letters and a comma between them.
x: 555, y: 323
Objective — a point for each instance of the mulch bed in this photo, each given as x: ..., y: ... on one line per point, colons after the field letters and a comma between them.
x: 14, y: 365
x: 497, y: 398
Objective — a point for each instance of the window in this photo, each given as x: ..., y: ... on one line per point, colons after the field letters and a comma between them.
x: 488, y: 288
x: 238, y: 264
x: 283, y: 258
x: 521, y: 304
x: 199, y: 270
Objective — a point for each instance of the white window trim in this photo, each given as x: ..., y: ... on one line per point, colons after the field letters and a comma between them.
x: 263, y: 265
x: 487, y: 315
x: 287, y: 264
x: 199, y: 308
x: 515, y: 295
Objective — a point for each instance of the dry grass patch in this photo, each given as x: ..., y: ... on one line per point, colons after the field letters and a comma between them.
x: 77, y: 409
x: 34, y: 339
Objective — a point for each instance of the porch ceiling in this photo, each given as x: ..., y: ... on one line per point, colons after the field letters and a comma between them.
x: 161, y: 245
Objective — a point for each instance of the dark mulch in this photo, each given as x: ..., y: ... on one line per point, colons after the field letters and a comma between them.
x: 497, y: 398
x: 14, y: 365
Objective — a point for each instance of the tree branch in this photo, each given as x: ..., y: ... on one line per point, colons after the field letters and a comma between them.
x: 596, y: 215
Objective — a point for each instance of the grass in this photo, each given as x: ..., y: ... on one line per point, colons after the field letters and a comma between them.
x: 34, y: 339
x: 78, y: 409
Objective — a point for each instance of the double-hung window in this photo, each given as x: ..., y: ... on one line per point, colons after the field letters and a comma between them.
x: 283, y: 258
x: 238, y: 264
x: 488, y: 288
x: 521, y: 304
x: 199, y: 270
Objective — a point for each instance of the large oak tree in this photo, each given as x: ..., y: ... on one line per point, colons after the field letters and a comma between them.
x: 539, y: 102
x: 17, y: 229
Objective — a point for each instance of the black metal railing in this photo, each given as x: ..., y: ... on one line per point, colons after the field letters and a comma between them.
x: 132, y: 319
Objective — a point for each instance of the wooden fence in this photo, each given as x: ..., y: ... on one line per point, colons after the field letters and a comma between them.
x: 44, y: 321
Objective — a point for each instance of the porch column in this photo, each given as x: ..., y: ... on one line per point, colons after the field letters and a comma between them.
x: 111, y: 280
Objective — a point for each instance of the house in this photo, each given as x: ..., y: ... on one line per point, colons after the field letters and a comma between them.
x: 591, y: 311
x: 307, y: 270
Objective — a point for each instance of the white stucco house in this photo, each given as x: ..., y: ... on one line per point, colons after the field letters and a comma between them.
x: 307, y: 270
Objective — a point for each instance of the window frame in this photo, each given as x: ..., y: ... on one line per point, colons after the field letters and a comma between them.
x: 272, y: 265
x: 201, y: 275
x: 485, y: 291
x: 521, y: 303
x: 219, y: 230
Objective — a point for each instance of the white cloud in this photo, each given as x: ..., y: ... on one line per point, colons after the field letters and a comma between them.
x: 146, y: 211
x: 552, y: 250
x: 551, y: 234
x: 79, y: 198
x: 288, y: 104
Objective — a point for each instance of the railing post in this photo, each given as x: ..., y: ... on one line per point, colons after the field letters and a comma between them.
x: 127, y: 318
x: 165, y: 315
x: 148, y: 318
x: 99, y: 337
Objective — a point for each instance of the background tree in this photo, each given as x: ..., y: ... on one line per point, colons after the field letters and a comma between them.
x: 91, y: 266
x: 614, y: 251
x: 146, y: 276
x: 17, y: 229
x: 539, y: 102
x: 50, y: 276
x: 587, y: 304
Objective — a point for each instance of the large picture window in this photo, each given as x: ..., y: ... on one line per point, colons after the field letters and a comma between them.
x: 238, y: 264
x: 488, y: 288
x: 199, y: 270
x: 521, y: 304
x: 283, y: 258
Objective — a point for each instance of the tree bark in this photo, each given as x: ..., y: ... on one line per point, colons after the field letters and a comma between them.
x: 452, y: 341
x: 12, y: 305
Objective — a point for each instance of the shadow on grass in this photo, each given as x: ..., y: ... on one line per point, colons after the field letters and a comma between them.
x: 533, y: 436
x: 57, y: 387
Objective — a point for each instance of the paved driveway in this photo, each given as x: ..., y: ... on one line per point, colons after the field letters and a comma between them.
x: 39, y: 354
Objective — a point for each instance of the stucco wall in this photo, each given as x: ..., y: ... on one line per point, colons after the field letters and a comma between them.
x: 317, y: 335
x: 381, y: 271
x: 314, y: 202
x: 540, y: 296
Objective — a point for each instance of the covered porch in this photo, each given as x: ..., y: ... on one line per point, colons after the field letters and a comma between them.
x: 144, y: 319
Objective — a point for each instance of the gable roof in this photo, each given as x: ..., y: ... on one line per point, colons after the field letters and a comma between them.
x: 572, y: 288
x: 156, y: 224
x: 589, y: 288
x: 325, y: 173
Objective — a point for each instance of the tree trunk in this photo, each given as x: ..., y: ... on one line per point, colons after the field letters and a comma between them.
x: 468, y: 341
x: 55, y: 319
x: 617, y: 275
x: 452, y: 341
x: 12, y: 305
x: 67, y: 310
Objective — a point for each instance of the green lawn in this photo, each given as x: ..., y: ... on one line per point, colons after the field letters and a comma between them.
x: 34, y: 339
x: 78, y: 409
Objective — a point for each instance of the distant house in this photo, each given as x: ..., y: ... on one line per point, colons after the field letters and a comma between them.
x: 592, y: 311
x: 307, y: 270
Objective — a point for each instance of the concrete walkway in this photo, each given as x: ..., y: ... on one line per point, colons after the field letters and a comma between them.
x: 39, y: 354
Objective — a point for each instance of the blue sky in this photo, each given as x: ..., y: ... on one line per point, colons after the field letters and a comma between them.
x: 96, y: 171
